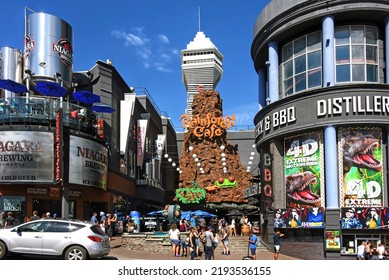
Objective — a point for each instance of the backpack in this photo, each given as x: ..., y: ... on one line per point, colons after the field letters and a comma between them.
x: 258, y: 242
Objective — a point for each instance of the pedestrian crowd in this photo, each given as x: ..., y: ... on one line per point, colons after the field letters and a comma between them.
x: 203, y: 237
x: 367, y: 251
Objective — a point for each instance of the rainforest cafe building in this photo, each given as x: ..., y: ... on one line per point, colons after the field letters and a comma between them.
x: 332, y: 150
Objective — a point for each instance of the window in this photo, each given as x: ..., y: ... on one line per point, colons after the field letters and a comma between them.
x: 39, y: 226
x: 301, y: 64
x: 58, y: 227
x: 356, y: 54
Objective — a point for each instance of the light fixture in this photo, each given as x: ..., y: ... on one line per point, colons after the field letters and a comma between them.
x: 170, y: 160
x: 198, y: 164
x: 252, y: 153
x: 166, y: 155
x: 254, y: 146
x: 173, y: 164
x: 250, y: 162
x: 222, y: 147
x: 223, y: 159
x: 251, y: 158
x: 224, y: 163
x: 190, y: 148
x: 223, y: 155
x: 194, y: 155
x: 196, y: 159
x: 178, y: 169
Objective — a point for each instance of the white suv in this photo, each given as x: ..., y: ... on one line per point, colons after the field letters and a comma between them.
x: 73, y: 240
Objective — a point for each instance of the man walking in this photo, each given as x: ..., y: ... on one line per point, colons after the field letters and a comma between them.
x: 253, y: 244
x: 276, y: 239
x: 208, y: 243
x: 94, y: 219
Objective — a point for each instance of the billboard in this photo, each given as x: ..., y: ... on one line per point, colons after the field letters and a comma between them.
x: 364, y: 218
x: 360, y: 167
x: 88, y: 163
x: 303, y: 170
x: 26, y: 157
x: 312, y: 217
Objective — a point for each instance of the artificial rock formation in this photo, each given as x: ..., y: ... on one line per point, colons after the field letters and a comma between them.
x: 206, y: 133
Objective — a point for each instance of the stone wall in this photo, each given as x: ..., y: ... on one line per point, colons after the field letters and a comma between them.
x: 303, y: 250
x: 148, y: 242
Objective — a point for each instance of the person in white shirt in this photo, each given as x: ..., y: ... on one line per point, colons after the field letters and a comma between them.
x: 381, y: 251
x: 174, y: 236
x: 361, y: 251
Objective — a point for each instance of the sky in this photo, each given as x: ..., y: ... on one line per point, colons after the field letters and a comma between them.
x: 144, y: 39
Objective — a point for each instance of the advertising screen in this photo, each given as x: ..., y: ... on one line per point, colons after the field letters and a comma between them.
x: 360, y: 167
x: 303, y: 166
x: 312, y: 217
x: 26, y: 156
x: 88, y: 163
x: 365, y: 218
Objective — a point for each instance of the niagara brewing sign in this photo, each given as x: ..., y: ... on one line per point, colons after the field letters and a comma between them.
x: 26, y: 156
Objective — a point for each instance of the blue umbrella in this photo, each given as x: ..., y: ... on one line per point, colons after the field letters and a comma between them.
x: 200, y: 213
x: 50, y: 89
x: 156, y: 213
x: 185, y: 215
x: 86, y: 97
x: 102, y: 108
x: 12, y: 86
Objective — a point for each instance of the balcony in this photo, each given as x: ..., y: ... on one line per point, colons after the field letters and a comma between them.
x: 42, y: 110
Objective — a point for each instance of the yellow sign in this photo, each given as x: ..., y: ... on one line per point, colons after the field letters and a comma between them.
x: 209, y: 126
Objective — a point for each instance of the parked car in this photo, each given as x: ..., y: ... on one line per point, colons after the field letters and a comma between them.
x: 70, y: 239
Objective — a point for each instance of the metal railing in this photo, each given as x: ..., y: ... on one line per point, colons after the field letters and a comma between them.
x: 37, y: 109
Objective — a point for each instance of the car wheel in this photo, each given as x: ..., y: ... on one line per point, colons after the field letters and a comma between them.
x: 3, y: 250
x: 76, y: 253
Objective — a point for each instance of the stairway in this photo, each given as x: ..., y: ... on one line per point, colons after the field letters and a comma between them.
x: 239, y: 245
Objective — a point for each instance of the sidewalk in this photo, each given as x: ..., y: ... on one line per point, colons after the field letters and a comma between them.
x: 120, y: 253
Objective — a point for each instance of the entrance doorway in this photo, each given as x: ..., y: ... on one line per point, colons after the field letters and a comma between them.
x: 43, y: 206
x: 91, y: 206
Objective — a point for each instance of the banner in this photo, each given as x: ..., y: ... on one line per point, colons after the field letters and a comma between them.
x: 303, y: 166
x: 365, y: 218
x: 312, y: 217
x: 27, y: 157
x: 141, y: 140
x: 360, y: 167
x: 88, y: 163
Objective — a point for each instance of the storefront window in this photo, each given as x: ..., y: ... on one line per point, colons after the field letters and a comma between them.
x: 14, y: 204
x: 350, y: 242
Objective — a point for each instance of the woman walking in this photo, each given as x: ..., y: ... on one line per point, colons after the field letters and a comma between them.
x: 224, y: 240
x: 174, y: 236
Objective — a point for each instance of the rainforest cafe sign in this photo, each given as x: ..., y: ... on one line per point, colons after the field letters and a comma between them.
x: 209, y: 126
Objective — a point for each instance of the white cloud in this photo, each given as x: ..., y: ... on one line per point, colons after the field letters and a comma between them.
x: 163, y: 39
x: 156, y: 53
x: 129, y: 38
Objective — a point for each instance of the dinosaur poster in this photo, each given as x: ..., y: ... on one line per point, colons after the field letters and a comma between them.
x: 360, y: 167
x: 303, y: 166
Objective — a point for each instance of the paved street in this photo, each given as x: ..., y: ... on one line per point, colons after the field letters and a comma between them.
x: 120, y: 253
